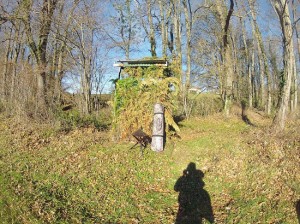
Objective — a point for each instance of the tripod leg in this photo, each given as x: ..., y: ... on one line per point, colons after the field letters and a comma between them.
x: 141, y: 150
x: 134, y: 145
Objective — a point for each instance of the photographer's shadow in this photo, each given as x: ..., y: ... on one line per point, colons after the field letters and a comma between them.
x: 194, y: 201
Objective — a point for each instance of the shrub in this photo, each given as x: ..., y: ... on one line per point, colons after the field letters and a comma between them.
x: 205, y: 104
x: 73, y: 119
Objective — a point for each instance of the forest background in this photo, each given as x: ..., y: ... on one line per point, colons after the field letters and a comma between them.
x: 245, y: 51
x: 236, y: 66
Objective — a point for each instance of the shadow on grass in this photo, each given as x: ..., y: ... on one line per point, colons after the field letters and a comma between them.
x: 194, y: 201
x: 244, y: 114
x: 298, y: 210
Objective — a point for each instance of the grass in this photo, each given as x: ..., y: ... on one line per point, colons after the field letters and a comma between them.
x: 47, y: 176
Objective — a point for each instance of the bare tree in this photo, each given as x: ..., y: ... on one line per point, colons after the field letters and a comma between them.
x: 151, y: 28
x: 188, y: 26
x: 294, y: 102
x: 163, y: 27
x: 122, y: 29
x: 36, y: 18
x: 227, y: 91
x: 83, y: 48
x: 282, y: 9
x: 263, y: 61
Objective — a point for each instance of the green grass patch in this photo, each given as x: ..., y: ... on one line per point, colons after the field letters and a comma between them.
x: 82, y: 177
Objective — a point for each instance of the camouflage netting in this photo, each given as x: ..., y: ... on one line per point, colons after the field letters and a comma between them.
x: 135, y: 95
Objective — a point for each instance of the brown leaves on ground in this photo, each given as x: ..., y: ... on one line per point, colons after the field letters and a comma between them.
x: 251, y: 173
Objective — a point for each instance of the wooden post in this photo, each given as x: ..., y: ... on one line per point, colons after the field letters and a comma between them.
x: 158, y: 132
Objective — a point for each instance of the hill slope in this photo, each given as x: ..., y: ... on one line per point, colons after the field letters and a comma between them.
x: 249, y: 174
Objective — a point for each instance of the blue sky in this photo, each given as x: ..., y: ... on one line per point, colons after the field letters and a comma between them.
x: 266, y: 18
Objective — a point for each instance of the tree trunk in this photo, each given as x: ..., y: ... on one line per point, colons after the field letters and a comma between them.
x: 263, y: 63
x: 235, y: 71
x: 188, y: 27
x: 227, y: 57
x: 294, y: 87
x: 228, y: 82
x: 250, y: 79
x: 275, y: 75
x: 86, y: 91
x: 177, y: 32
x: 14, y: 87
x: 249, y: 65
x: 163, y: 28
x: 39, y: 48
x: 3, y: 93
x: 295, y: 81
x: 151, y: 32
x: 128, y: 44
x: 282, y: 10
x: 59, y: 75
x: 170, y: 37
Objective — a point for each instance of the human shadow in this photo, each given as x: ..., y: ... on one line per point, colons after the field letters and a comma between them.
x: 194, y: 201
x: 298, y: 210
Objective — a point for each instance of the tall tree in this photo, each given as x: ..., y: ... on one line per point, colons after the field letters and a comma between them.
x: 263, y: 62
x: 227, y: 91
x: 249, y: 55
x: 163, y: 27
x: 151, y: 34
x: 295, y: 76
x: 122, y: 30
x: 25, y: 11
x: 188, y: 26
x: 84, y: 48
x: 282, y: 9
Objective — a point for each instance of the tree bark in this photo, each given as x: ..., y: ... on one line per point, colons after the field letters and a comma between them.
x: 4, y: 83
x: 249, y: 65
x: 151, y: 27
x: 13, y: 86
x: 164, y: 39
x: 177, y: 33
x: 295, y: 81
x: 129, y: 30
x: 282, y: 9
x: 263, y: 63
x: 39, y: 48
x: 188, y: 27
x: 227, y: 57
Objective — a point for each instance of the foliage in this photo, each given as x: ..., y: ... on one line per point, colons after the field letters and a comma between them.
x: 136, y: 95
x: 73, y: 119
x: 204, y: 104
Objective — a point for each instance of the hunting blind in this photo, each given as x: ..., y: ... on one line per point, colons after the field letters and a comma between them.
x: 140, y: 85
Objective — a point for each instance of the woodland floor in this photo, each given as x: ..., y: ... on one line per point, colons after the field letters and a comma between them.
x: 48, y: 176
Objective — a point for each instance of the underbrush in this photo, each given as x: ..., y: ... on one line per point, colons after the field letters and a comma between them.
x: 204, y: 104
x: 273, y: 174
x: 72, y: 119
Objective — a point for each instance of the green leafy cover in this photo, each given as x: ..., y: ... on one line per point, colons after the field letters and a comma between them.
x: 136, y: 95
